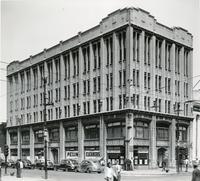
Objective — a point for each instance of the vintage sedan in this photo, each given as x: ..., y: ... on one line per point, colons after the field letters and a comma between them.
x: 67, y: 164
x: 89, y: 166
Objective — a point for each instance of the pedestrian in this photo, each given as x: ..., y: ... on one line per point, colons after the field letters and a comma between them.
x: 186, y: 164
x: 195, y: 173
x: 109, y: 173
x: 163, y: 165
x: 117, y: 169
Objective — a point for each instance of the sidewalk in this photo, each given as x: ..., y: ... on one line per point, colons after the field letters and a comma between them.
x: 13, y: 178
x: 151, y: 172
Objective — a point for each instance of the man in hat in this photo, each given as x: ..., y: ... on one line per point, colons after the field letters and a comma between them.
x: 195, y: 173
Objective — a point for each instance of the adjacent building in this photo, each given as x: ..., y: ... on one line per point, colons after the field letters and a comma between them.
x: 2, y: 138
x: 115, y: 88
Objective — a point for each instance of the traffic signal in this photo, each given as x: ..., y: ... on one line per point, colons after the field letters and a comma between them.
x: 6, y: 150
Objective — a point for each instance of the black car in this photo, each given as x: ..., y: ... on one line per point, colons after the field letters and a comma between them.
x: 67, y: 164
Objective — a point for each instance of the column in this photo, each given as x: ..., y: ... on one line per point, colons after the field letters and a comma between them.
x: 8, y: 141
x: 103, y: 75
x: 62, y: 142
x: 152, y: 64
x: 189, y: 140
x: 32, y: 151
x: 198, y: 136
x: 115, y: 71
x: 173, y: 143
x: 103, y: 137
x: 129, y: 137
x: 19, y: 148
x: 194, y: 137
x: 141, y: 69
x: 62, y: 83
x: 152, y: 149
x: 80, y: 141
x: 172, y: 58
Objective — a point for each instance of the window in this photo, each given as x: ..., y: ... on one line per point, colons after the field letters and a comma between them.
x: 67, y: 65
x: 71, y: 133
x: 162, y: 133
x: 57, y: 66
x: 84, y: 107
x: 95, y: 106
x: 111, y: 81
x: 84, y: 87
x: 138, y: 79
x: 124, y: 77
x: 39, y: 136
x: 177, y: 59
x: 147, y: 49
x: 25, y: 137
x: 107, y: 81
x: 120, y: 102
x: 95, y: 84
x: 141, y: 130
x: 111, y: 103
x: 91, y: 132
x: 120, y: 78
x: 145, y: 80
x: 88, y: 83
x: 182, y: 133
x: 99, y: 83
x: 149, y: 80
x: 88, y: 107
x: 35, y: 78
x: 107, y: 103
x: 13, y: 138
x: 116, y: 130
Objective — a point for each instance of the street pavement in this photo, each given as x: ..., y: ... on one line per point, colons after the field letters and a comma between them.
x: 137, y: 175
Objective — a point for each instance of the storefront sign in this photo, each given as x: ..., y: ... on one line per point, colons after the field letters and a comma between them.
x: 71, y: 154
x: 113, y: 151
x: 92, y: 155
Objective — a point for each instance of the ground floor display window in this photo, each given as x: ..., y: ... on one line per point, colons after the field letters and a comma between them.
x: 39, y: 153
x: 116, y: 153
x: 13, y: 154
x: 92, y: 153
x: 141, y: 155
x: 71, y: 152
x: 25, y: 153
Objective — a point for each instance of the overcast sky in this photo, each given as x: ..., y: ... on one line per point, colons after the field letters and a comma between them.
x: 29, y: 26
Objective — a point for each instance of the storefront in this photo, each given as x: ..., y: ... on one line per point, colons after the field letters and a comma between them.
x: 141, y: 155
x: 71, y: 153
x: 116, y: 153
x: 25, y: 153
x: 92, y: 153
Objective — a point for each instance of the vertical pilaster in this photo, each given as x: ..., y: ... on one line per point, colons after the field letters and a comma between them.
x: 198, y: 136
x: 19, y: 150
x: 141, y: 69
x: 115, y: 71
x: 32, y: 154
x: 103, y: 137
x: 129, y: 136
x: 103, y: 75
x: 8, y: 140
x: 152, y: 62
x: 62, y: 142
x: 189, y: 140
x: 173, y: 143
x: 153, y: 150
x: 172, y: 58
x: 80, y: 140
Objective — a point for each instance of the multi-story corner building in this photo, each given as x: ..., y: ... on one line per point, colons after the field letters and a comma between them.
x: 115, y: 90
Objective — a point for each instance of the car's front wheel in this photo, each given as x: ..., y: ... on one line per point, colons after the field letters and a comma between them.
x: 88, y: 170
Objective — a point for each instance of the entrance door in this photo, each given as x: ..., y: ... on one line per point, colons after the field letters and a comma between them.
x: 55, y: 155
x: 161, y: 156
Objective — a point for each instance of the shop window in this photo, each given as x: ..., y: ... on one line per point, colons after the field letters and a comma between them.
x: 92, y: 132
x: 141, y: 130
x: 25, y: 137
x: 13, y: 138
x: 39, y: 136
x: 116, y: 130
x: 141, y: 155
x: 71, y: 134
x: 54, y: 135
x: 182, y: 133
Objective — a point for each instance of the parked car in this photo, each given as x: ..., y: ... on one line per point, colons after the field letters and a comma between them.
x: 11, y: 163
x: 67, y: 164
x: 40, y: 165
x: 89, y: 166
x: 28, y: 164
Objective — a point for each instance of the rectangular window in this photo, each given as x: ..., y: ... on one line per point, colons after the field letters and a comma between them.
x: 95, y: 85
x: 95, y: 106
x: 88, y: 83
x: 111, y: 81
x: 120, y: 78
x: 124, y: 77
x: 138, y: 78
